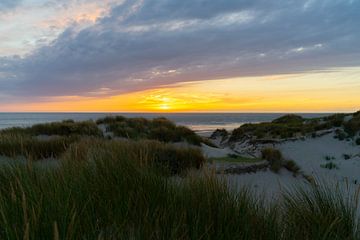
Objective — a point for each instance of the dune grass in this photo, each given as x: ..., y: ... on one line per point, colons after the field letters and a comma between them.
x: 115, y: 192
x: 14, y: 145
x: 64, y: 128
x: 277, y: 161
x: 108, y: 189
x: 235, y: 159
x: 290, y: 126
x: 160, y: 129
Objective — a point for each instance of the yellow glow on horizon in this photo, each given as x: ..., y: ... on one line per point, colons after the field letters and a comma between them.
x: 335, y: 90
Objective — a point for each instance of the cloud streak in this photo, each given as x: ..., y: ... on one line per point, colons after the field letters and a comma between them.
x: 146, y: 44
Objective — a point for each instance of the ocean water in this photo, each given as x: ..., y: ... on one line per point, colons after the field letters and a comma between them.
x: 202, y: 123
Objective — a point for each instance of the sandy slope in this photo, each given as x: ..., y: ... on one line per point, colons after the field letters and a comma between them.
x: 311, y: 153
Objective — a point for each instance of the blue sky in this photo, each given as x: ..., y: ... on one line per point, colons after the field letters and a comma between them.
x: 80, y: 48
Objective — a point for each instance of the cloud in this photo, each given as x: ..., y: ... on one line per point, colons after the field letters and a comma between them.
x: 149, y: 43
x: 8, y: 4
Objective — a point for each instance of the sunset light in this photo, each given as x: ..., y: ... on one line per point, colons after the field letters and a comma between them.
x: 180, y: 119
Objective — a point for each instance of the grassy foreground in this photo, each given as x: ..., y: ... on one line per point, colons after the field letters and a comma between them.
x: 123, y: 190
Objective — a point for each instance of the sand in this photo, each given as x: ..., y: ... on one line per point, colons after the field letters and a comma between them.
x: 309, y: 153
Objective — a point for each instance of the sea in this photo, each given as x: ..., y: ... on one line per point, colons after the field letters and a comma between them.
x: 202, y: 123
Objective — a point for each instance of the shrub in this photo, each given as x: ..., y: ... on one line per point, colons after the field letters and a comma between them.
x: 110, y: 120
x: 335, y: 120
x: 352, y: 127
x: 160, y: 129
x: 330, y: 166
x: 289, y: 119
x: 223, y: 133
x: 291, y: 166
x: 290, y: 126
x: 274, y: 157
x: 357, y: 141
x: 328, y: 158
x: 346, y: 156
x: 341, y: 135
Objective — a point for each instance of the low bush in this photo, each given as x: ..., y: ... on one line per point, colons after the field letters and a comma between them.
x: 328, y: 158
x: 330, y: 166
x: 291, y: 166
x: 110, y: 120
x: 277, y: 161
x: 222, y: 133
x: 289, y: 119
x: 352, y: 127
x: 340, y: 134
x: 274, y: 157
x: 357, y: 141
x: 160, y: 129
x: 290, y: 126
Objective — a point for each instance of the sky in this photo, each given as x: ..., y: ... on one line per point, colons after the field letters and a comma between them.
x: 180, y: 55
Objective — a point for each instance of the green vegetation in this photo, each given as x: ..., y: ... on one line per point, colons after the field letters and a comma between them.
x: 352, y: 127
x: 277, y: 161
x: 340, y: 134
x: 289, y: 119
x: 321, y: 212
x: 328, y: 158
x: 157, y: 129
x: 32, y: 148
x: 235, y: 159
x: 64, y: 128
x: 147, y: 153
x: 291, y: 166
x: 115, y: 190
x: 111, y: 189
x: 223, y: 133
x: 274, y: 157
x: 330, y: 166
x: 291, y: 125
x: 357, y: 141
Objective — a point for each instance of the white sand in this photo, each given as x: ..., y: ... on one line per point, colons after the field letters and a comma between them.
x: 211, y: 152
x: 311, y: 153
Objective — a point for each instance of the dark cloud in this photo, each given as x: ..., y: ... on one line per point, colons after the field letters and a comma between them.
x: 8, y: 4
x: 144, y: 44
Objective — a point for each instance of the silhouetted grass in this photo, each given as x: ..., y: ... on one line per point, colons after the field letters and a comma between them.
x: 113, y: 190
x: 321, y: 212
x: 290, y: 126
x: 146, y: 153
x: 160, y: 129
x: 12, y: 145
x: 64, y: 128
x: 277, y: 161
x: 352, y: 127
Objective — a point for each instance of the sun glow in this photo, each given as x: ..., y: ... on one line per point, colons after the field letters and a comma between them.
x: 331, y: 91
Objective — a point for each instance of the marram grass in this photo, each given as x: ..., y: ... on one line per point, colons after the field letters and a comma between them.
x: 115, y: 190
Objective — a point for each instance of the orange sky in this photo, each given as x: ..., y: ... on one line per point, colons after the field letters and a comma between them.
x: 336, y: 90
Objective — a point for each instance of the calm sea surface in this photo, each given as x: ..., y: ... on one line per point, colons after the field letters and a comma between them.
x: 203, y: 123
